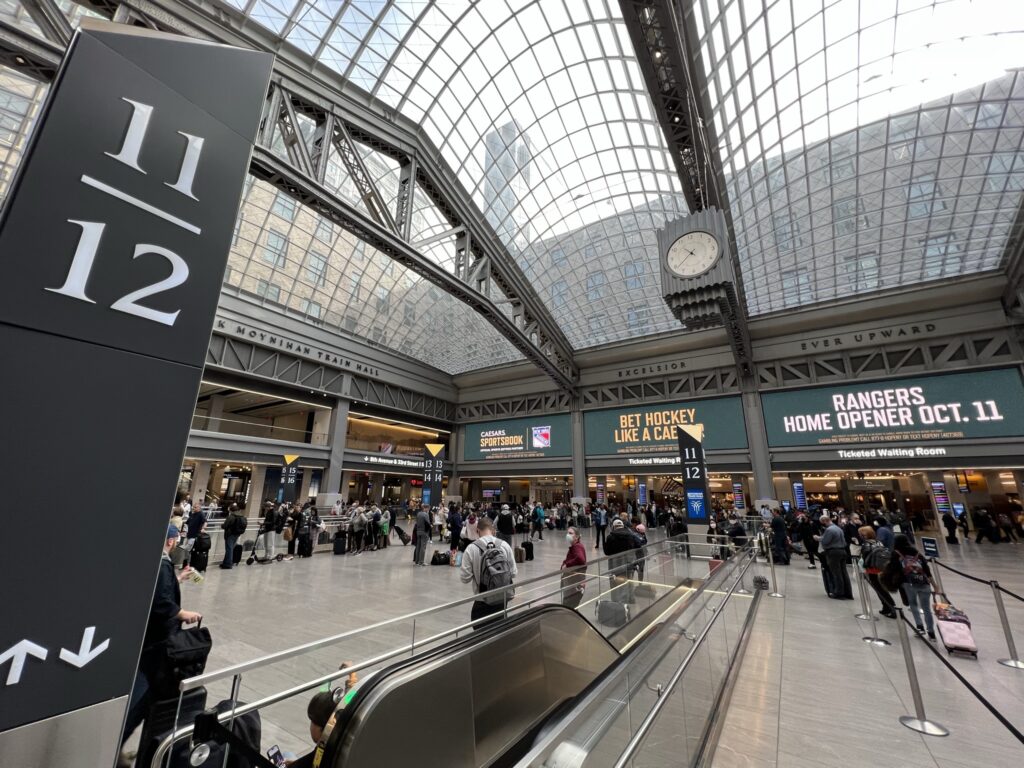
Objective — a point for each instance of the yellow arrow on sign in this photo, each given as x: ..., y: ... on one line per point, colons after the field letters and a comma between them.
x: 696, y: 431
x: 434, y: 448
x: 290, y: 457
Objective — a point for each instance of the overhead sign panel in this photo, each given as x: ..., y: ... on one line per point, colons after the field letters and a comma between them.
x: 540, y: 437
x: 652, y: 428
x: 945, y: 407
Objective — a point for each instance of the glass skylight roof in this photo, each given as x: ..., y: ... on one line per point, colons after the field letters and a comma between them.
x: 542, y: 112
x: 866, y: 144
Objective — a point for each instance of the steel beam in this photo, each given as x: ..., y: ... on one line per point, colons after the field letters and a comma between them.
x: 50, y: 19
x: 26, y: 53
x: 275, y: 171
x: 370, y: 122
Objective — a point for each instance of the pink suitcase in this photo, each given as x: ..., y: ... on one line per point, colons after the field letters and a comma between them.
x: 957, y: 637
x: 954, y: 627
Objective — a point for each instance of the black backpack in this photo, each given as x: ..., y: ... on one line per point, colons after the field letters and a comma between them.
x: 239, y: 524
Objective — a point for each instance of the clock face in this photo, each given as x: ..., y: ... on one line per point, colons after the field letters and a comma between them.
x: 693, y: 254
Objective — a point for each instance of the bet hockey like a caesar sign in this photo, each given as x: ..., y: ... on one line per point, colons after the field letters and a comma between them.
x: 945, y: 407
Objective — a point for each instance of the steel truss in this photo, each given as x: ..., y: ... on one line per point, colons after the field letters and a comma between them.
x: 241, y: 356
x: 344, y: 119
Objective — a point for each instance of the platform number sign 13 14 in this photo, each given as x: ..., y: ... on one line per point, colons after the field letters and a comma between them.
x: 76, y: 282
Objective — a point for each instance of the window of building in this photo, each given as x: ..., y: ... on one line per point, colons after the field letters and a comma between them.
x: 283, y: 206
x: 633, y: 274
x: 942, y: 256
x: 638, y: 319
x: 276, y: 250
x: 349, y: 323
x: 229, y: 273
x: 268, y: 291
x: 796, y: 286
x: 596, y: 282
x: 409, y: 313
x: 239, y: 220
x: 359, y: 251
x: 383, y: 298
x: 377, y: 334
x: 921, y: 196
x: 785, y: 231
x: 559, y: 294
x: 324, y: 230
x: 1000, y: 173
x: 989, y: 116
x: 311, y: 308
x: 354, y: 279
x: 863, y: 271
x: 316, y: 268
x: 558, y: 257
x: 847, y: 216
x: 596, y: 325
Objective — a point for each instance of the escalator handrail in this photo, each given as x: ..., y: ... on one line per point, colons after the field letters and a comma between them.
x: 596, y: 690
x: 247, y: 666
x: 641, y: 732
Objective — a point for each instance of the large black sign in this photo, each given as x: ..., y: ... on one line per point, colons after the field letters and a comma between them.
x: 695, y: 477
x: 433, y: 472
x: 113, y: 245
x: 289, y: 478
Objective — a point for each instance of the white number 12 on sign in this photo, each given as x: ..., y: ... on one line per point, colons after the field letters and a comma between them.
x: 92, y: 231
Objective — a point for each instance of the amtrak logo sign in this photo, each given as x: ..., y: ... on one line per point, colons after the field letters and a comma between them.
x: 695, y: 505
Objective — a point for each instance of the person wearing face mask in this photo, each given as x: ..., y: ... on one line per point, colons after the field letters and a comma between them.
x: 574, y: 569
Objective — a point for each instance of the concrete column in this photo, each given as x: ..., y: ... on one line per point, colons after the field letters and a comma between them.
x: 337, y: 429
x: 255, y: 502
x: 579, y: 454
x: 454, y: 443
x: 506, y: 492
x: 343, y: 489
x: 757, y: 443
x: 376, y: 496
x: 214, y: 412
x: 996, y: 491
x: 323, y: 424
x: 200, y: 481
x: 476, y: 489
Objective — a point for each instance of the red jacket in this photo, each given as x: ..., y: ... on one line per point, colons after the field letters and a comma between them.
x: 577, y: 555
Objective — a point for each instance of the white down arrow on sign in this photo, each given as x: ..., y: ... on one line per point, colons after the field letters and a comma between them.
x: 86, y: 653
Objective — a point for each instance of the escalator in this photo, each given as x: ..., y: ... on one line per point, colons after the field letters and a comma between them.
x: 488, y: 698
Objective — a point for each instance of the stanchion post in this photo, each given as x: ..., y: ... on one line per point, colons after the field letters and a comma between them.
x: 865, y: 609
x: 937, y: 576
x: 919, y: 722
x: 771, y: 565
x: 1014, y: 661
x: 874, y: 639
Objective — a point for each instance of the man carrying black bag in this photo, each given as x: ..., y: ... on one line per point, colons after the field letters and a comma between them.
x: 165, y: 619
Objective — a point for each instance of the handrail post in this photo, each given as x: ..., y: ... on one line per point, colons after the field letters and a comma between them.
x: 775, y: 584
x: 1014, y: 661
x: 919, y: 722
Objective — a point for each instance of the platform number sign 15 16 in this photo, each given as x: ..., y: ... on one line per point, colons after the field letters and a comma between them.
x: 76, y: 282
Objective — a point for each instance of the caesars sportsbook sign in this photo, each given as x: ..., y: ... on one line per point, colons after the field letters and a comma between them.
x: 534, y: 438
x: 957, y: 406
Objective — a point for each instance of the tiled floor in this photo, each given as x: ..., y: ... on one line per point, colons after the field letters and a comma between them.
x: 811, y: 693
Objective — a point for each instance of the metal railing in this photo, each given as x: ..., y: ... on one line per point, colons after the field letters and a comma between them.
x: 603, y: 567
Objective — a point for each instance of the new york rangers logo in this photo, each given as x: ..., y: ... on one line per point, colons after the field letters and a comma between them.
x: 542, y: 437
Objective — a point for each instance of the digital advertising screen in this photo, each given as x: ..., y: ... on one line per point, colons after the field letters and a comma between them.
x: 540, y: 437
x: 950, y: 406
x: 646, y: 429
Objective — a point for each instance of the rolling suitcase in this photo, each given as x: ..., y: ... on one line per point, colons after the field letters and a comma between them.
x: 519, y: 554
x: 402, y: 535
x: 612, y: 613
x: 236, y: 554
x: 199, y: 560
x: 339, y: 543
x: 954, y: 628
x: 160, y: 722
x: 528, y: 549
